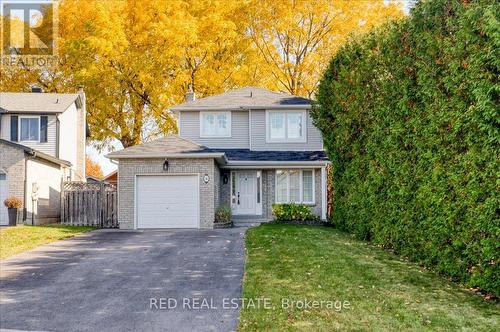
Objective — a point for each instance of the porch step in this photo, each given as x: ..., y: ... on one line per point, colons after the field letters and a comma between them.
x: 248, y: 222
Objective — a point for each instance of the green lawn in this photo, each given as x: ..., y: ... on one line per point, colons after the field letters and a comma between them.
x: 14, y: 240
x: 384, y: 292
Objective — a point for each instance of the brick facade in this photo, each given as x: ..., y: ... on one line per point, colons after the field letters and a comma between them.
x: 12, y: 161
x: 129, y: 168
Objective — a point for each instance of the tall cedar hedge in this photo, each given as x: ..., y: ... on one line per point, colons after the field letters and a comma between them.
x: 410, y: 119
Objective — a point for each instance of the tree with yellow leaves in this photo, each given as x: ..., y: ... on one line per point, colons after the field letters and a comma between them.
x: 136, y: 58
x: 92, y: 168
x: 296, y: 38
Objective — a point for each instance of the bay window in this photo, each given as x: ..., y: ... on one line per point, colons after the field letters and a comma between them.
x: 215, y: 124
x: 286, y: 126
x: 295, y: 186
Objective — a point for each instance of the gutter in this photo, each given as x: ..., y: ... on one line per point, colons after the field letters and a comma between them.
x: 242, y: 108
x: 275, y: 164
x: 42, y: 155
x: 167, y: 155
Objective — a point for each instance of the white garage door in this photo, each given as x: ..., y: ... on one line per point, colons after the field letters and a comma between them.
x: 4, y: 191
x: 167, y: 201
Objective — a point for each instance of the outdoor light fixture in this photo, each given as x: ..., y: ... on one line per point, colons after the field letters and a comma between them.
x: 225, y: 179
x: 165, y: 165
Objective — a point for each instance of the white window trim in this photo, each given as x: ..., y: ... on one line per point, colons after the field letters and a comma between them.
x: 301, y: 186
x: 286, y: 139
x: 19, y: 129
x: 258, y: 206
x: 227, y: 113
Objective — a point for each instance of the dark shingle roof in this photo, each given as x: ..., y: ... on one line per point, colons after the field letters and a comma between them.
x: 15, y: 102
x: 245, y: 98
x: 249, y: 155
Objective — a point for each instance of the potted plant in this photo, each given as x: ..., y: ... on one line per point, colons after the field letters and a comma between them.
x: 223, y: 217
x: 13, y: 204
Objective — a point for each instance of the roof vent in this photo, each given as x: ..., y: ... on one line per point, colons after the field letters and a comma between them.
x: 251, y: 94
x: 36, y: 89
x: 190, y: 95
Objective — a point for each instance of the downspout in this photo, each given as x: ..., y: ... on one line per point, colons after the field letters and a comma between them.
x: 25, y: 211
x: 58, y: 124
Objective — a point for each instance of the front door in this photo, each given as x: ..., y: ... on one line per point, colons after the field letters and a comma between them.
x: 245, y: 192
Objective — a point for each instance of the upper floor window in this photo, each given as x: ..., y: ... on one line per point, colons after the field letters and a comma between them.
x: 30, y: 129
x: 286, y: 126
x: 215, y: 124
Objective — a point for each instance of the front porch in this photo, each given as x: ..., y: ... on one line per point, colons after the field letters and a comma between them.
x: 251, y: 192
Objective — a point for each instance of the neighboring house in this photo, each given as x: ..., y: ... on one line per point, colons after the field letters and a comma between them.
x: 42, y: 143
x: 246, y: 148
x: 112, y: 178
x: 93, y: 179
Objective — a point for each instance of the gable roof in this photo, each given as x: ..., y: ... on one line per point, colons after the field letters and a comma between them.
x: 245, y: 99
x: 22, y: 102
x: 166, y: 146
x: 36, y: 153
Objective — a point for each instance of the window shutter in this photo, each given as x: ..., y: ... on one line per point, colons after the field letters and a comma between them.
x: 43, y: 128
x: 13, y: 128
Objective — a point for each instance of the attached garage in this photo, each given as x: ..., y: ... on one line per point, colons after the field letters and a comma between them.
x: 167, y: 201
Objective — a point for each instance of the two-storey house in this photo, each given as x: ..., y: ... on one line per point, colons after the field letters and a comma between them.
x: 42, y: 143
x: 246, y: 148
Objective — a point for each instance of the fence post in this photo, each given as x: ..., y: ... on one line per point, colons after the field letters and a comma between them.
x: 102, y: 191
x: 61, y: 204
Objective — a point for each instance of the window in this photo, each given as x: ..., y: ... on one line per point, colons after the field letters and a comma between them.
x: 233, y: 188
x: 286, y: 126
x: 295, y: 186
x: 30, y: 128
x: 215, y: 124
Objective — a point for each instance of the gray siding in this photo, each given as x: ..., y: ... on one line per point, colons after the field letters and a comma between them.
x: 48, y: 148
x: 314, y: 141
x: 190, y: 128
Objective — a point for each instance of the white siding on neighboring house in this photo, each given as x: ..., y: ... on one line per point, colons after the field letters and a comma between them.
x: 313, y: 142
x: 49, y: 147
x: 190, y: 128
x: 49, y: 189
x: 68, y: 135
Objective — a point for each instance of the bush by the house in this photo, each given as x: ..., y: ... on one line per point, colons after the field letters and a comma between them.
x: 13, y: 203
x: 223, y: 214
x: 293, y: 212
x: 410, y: 120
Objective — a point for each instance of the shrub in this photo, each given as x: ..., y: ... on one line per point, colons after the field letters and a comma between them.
x: 223, y: 214
x: 409, y: 117
x: 13, y: 203
x: 293, y: 212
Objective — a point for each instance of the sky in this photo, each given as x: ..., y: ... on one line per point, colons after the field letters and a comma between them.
x: 108, y: 167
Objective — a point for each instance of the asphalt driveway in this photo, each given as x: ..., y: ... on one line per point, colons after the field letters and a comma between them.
x: 126, y: 281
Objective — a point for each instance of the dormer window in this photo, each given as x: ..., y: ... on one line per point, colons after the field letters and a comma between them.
x: 285, y: 127
x: 30, y: 129
x: 215, y: 124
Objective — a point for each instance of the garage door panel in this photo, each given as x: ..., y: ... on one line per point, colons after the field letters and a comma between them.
x: 167, y: 201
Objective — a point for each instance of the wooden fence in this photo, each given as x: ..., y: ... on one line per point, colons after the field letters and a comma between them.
x: 89, y: 204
